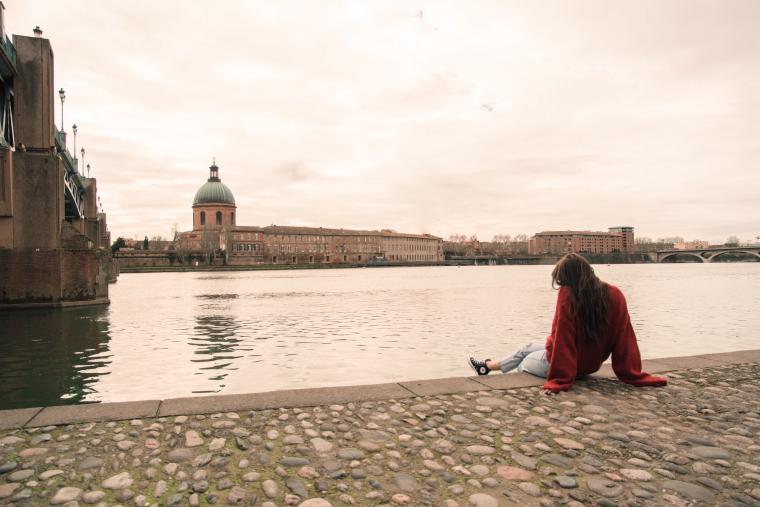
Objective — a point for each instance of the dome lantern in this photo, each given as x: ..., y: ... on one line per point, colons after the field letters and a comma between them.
x: 213, y: 171
x: 214, y: 191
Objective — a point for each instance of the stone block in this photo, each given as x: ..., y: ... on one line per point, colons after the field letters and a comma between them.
x: 737, y: 357
x: 450, y: 385
x: 509, y: 380
x: 17, y: 417
x: 285, y: 398
x: 92, y: 412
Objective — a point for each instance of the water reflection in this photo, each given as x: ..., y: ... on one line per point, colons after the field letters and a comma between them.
x: 52, y: 357
x: 215, y: 341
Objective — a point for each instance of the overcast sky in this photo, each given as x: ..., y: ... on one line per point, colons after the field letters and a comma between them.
x: 439, y: 117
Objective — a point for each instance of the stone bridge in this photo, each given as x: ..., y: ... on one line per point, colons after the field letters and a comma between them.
x: 705, y: 254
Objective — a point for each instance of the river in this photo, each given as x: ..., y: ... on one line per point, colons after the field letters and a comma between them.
x: 188, y: 334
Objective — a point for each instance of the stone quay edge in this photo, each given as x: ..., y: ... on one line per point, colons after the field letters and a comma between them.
x: 115, y: 411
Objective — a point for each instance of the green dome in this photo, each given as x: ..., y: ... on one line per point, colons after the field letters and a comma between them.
x: 214, y: 191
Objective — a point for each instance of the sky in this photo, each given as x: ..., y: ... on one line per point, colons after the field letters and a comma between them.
x: 468, y: 117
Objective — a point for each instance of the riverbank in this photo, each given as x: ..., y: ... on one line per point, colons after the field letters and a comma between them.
x: 263, y: 267
x: 482, y: 441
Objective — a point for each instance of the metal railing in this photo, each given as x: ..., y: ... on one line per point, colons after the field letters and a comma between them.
x: 60, y: 145
x: 74, y: 187
x: 7, y: 47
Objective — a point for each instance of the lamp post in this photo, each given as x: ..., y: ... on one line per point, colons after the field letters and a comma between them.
x: 62, y: 94
x: 82, y: 152
x: 74, y: 129
x: 88, y: 169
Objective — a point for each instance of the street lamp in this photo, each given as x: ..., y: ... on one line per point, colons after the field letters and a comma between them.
x: 82, y: 152
x: 88, y: 170
x: 76, y: 162
x: 62, y: 94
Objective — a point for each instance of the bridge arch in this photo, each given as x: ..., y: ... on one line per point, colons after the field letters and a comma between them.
x: 751, y: 253
x: 689, y: 254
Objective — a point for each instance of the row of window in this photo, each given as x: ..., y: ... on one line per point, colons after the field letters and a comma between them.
x: 305, y: 238
x: 218, y: 218
x: 319, y: 248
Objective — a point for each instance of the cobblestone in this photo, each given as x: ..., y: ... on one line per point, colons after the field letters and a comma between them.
x: 696, y: 442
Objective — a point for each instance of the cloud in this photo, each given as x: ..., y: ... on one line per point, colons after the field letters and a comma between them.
x: 367, y: 115
x: 294, y: 171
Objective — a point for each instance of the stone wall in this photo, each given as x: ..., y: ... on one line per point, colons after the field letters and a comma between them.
x: 142, y: 259
x: 50, y: 276
x: 29, y: 276
x: 38, y: 200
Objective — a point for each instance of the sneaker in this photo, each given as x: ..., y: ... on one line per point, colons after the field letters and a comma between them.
x: 478, y: 365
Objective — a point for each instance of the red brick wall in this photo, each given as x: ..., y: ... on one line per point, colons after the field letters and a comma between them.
x: 29, y: 276
x: 79, y: 274
x: 47, y: 276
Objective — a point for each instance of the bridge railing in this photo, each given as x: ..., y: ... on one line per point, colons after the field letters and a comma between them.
x: 8, y: 63
x: 72, y: 181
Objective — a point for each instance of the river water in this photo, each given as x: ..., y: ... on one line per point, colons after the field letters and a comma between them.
x: 190, y: 334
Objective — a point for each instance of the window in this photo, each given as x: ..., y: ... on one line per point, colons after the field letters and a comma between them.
x: 327, y: 258
x: 294, y: 259
x: 218, y: 218
x: 311, y: 259
x: 203, y: 218
x: 232, y: 218
x: 274, y: 259
x: 345, y: 258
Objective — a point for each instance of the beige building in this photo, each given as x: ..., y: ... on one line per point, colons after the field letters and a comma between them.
x: 618, y: 239
x: 692, y: 245
x: 216, y: 235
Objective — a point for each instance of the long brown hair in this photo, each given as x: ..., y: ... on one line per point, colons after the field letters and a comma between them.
x: 589, y: 294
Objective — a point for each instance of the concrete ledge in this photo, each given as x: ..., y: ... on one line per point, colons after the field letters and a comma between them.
x: 90, y: 412
x: 684, y: 363
x: 450, y: 385
x: 606, y: 371
x: 286, y: 398
x: 69, y: 414
x: 738, y: 357
x: 509, y: 381
x: 17, y: 418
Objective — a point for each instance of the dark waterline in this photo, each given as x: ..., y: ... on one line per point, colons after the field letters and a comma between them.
x: 185, y: 334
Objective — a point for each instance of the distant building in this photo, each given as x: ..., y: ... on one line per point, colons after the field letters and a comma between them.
x: 216, y: 235
x: 618, y: 239
x: 692, y: 245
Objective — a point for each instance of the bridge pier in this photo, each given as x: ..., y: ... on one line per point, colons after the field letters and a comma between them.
x: 54, y: 245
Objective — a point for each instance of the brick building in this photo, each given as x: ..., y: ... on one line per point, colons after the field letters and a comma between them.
x: 216, y: 234
x: 618, y: 239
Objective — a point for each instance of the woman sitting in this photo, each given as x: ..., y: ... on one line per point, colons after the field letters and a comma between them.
x: 591, y: 322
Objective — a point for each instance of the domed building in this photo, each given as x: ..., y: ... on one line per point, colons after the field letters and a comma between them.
x: 213, y: 205
x: 217, y: 240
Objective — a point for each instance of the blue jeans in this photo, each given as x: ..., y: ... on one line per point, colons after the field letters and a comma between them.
x: 530, y: 358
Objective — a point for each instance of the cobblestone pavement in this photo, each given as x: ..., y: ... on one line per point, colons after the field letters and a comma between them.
x: 695, y: 442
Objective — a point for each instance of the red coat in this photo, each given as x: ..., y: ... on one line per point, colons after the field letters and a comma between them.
x: 570, y: 356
